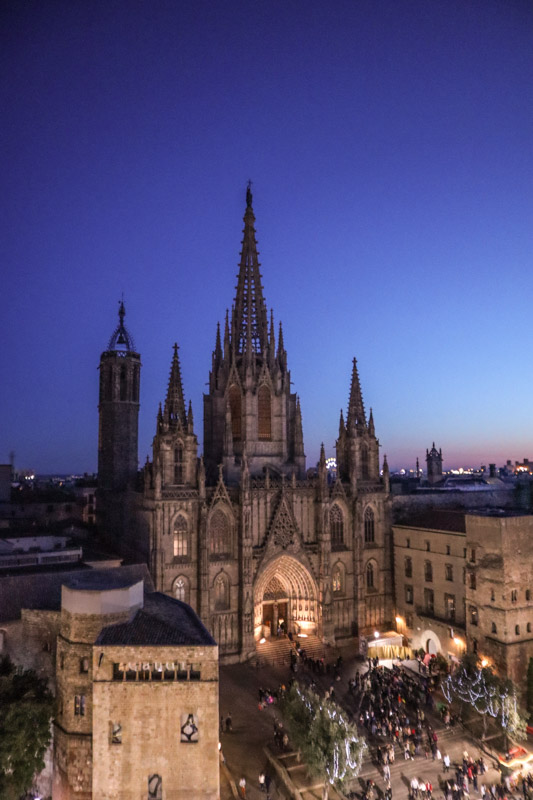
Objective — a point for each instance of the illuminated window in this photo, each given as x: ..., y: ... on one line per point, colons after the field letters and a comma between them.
x: 219, y: 534
x: 369, y: 525
x: 449, y: 605
x: 473, y: 615
x: 84, y: 665
x: 336, y: 525
x: 79, y: 705
x: 336, y: 580
x: 181, y: 587
x: 264, y: 413
x: 409, y: 595
x: 181, y: 548
x: 235, y: 409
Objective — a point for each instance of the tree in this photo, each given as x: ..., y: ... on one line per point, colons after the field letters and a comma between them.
x: 27, y: 708
x: 491, y: 696
x: 329, y: 743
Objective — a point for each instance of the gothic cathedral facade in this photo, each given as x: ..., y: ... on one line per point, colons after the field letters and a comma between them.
x: 244, y: 534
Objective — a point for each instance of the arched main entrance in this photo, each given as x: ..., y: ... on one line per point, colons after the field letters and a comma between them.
x: 285, y: 595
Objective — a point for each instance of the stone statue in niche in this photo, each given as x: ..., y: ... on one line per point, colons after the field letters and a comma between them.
x: 189, y: 728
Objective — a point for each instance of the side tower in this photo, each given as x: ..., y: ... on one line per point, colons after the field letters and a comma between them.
x: 120, y: 375
x: 434, y: 465
x: 357, y: 445
x: 171, y: 493
x: 249, y: 410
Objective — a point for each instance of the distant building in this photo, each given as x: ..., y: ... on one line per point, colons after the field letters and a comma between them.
x: 465, y: 580
x: 434, y: 465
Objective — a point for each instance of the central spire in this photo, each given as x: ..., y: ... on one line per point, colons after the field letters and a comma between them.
x: 249, y: 318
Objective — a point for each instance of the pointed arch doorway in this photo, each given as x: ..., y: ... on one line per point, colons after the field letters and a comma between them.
x: 285, y: 595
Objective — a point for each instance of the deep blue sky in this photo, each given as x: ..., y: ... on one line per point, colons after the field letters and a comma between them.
x: 390, y: 144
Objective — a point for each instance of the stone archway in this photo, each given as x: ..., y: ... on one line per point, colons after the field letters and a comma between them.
x: 285, y: 591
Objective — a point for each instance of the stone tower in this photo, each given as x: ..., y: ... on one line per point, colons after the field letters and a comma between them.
x: 357, y: 446
x: 434, y: 464
x: 120, y: 374
x: 249, y: 411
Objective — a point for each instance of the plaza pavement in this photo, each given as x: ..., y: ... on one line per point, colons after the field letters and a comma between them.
x: 243, y: 748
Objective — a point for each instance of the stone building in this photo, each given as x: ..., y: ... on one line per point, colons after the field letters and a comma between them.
x: 137, y: 695
x: 242, y: 533
x: 465, y: 580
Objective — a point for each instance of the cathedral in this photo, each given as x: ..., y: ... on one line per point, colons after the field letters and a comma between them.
x: 253, y: 541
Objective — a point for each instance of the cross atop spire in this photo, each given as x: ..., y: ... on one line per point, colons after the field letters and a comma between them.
x: 356, y: 410
x: 174, y: 404
x: 249, y: 319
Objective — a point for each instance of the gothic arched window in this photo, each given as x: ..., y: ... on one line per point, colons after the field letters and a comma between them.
x: 369, y: 525
x: 264, y: 413
x: 336, y: 525
x: 364, y: 462
x: 370, y: 575
x: 235, y: 408
x: 181, y: 543
x: 219, y: 533
x: 178, y: 464
x: 181, y: 589
x: 221, y: 592
x: 337, y: 579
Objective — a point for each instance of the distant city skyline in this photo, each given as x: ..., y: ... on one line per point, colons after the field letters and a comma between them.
x: 390, y: 148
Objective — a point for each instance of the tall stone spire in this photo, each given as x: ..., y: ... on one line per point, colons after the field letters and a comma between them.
x: 249, y: 322
x: 356, y: 410
x: 174, y: 413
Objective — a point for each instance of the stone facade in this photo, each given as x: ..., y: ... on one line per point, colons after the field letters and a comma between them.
x: 137, y: 696
x: 243, y: 534
x: 464, y: 580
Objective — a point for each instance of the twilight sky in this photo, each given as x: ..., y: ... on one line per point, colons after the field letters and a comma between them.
x: 390, y: 144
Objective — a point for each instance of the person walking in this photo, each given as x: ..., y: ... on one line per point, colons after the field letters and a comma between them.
x: 446, y: 762
x: 228, y: 723
x: 262, y: 781
x: 242, y: 787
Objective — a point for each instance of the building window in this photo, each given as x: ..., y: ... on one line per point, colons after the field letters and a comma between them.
x: 528, y: 627
x: 221, y: 592
x: 189, y: 728
x: 123, y: 395
x: 474, y: 645
x: 235, y: 410
x: 155, y: 787
x: 429, y: 601
x: 449, y: 604
x: 181, y: 548
x: 514, y: 596
x: 528, y: 595
x: 473, y: 556
x: 264, y: 413
x: 448, y: 550
x: 364, y: 463
x: 116, y: 733
x: 428, y: 571
x: 517, y: 630
x: 464, y: 552
x: 448, y: 572
x: 219, y: 534
x: 336, y: 525
x: 181, y: 589
x: 369, y: 525
x: 409, y: 595
x: 492, y: 596
x: 79, y: 705
x: 409, y: 619
x: 473, y: 615
x: 408, y: 567
x: 493, y: 628
x: 178, y: 464
x: 84, y: 665
x: 370, y: 575
x: 473, y: 580
x: 336, y: 580
x: 408, y: 543
x: 428, y: 546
